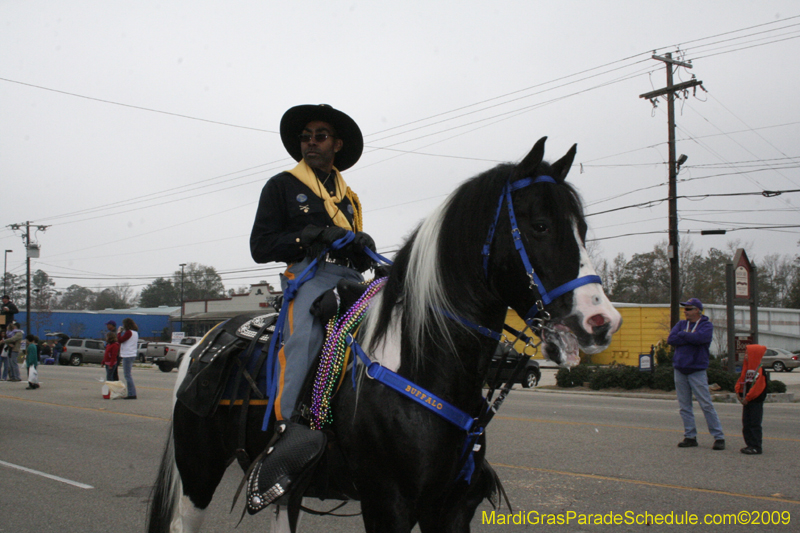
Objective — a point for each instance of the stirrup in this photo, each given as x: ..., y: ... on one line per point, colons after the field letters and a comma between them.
x: 295, y: 452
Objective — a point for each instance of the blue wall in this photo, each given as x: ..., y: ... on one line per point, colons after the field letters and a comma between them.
x: 92, y: 325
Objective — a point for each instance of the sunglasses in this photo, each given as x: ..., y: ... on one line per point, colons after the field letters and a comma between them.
x: 689, y: 308
x: 319, y: 137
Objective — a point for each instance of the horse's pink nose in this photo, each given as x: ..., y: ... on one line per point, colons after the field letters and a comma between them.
x: 596, y: 321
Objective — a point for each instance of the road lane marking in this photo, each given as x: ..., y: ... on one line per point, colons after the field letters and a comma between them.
x: 3, y: 396
x: 646, y: 483
x: 98, y: 380
x: 48, y: 476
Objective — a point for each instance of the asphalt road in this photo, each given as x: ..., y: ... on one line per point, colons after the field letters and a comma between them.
x: 71, y: 461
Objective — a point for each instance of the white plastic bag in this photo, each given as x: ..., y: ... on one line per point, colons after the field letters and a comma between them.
x: 114, y: 389
x: 33, y: 375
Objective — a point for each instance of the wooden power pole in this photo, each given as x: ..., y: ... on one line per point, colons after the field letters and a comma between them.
x: 672, y: 251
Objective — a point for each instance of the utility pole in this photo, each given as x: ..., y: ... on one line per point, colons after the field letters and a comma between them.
x: 5, y: 269
x: 31, y: 250
x: 672, y: 251
x: 182, y: 265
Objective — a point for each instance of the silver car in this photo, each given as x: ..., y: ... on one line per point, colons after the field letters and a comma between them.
x: 780, y: 360
x: 79, y: 351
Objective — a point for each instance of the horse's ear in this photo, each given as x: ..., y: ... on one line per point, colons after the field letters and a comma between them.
x: 532, y: 160
x: 560, y: 168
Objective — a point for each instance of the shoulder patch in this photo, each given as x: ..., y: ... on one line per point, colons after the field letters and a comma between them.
x: 302, y: 197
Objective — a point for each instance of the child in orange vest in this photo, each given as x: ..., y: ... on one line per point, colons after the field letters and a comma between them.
x: 751, y: 390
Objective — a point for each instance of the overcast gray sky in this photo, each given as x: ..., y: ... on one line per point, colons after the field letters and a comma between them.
x: 141, y: 132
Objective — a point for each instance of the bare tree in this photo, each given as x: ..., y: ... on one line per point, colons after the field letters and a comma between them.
x: 775, y: 275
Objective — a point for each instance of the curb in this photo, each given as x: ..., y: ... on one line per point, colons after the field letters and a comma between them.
x: 642, y: 395
x: 776, y: 397
x: 783, y: 397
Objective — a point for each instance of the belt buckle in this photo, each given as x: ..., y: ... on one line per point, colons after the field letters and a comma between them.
x: 335, y: 261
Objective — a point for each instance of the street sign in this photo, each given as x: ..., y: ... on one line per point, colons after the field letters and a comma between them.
x: 741, y: 272
x: 741, y: 346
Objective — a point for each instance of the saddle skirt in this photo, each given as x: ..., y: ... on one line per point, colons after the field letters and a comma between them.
x: 227, y: 367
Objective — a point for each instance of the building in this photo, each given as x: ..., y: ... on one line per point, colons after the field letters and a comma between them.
x: 644, y: 325
x: 153, y: 322
x: 199, y: 316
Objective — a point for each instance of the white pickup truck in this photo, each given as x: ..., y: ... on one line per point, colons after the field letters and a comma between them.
x: 168, y: 355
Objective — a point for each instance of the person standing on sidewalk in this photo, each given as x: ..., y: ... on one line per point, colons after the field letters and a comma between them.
x: 751, y: 391
x: 32, y: 362
x: 8, y: 309
x: 111, y: 357
x: 111, y: 326
x: 128, y: 339
x: 13, y: 340
x: 692, y: 338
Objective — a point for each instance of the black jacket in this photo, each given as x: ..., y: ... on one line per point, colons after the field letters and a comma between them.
x: 8, y: 311
x: 286, y: 207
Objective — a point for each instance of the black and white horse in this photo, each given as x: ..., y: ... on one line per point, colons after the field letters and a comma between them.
x: 401, y: 459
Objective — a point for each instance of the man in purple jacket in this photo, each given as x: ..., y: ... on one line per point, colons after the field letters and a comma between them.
x: 691, y: 338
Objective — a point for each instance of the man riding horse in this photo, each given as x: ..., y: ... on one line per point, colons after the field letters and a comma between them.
x: 302, y: 212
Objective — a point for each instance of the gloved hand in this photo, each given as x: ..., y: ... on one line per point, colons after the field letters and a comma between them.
x: 314, y: 239
x: 356, y: 251
x: 362, y: 240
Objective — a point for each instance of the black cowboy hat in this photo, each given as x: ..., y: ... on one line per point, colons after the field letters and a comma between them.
x: 296, y: 118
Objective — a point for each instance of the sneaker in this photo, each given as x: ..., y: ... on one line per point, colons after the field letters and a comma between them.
x: 687, y: 443
x: 749, y: 450
x: 719, y: 444
x: 130, y: 397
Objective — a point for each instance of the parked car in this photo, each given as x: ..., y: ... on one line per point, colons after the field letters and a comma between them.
x: 780, y: 360
x: 173, y: 353
x: 141, y: 351
x: 529, y: 377
x: 78, y: 351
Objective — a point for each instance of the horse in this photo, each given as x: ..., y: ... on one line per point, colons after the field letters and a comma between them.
x: 454, y: 278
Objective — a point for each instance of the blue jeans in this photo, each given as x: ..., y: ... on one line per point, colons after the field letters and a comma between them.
x: 127, y: 366
x: 4, y: 367
x: 14, y: 367
x: 696, y: 383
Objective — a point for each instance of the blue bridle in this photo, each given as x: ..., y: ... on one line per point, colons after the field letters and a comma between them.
x: 546, y: 297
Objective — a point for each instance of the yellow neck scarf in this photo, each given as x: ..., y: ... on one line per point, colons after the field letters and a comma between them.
x: 306, y: 176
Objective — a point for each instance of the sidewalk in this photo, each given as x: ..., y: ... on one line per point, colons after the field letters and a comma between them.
x: 548, y: 385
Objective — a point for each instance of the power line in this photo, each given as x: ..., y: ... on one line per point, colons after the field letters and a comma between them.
x: 140, y: 108
x: 734, y: 31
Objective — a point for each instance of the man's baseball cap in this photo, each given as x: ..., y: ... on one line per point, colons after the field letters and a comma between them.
x: 111, y: 323
x: 693, y: 302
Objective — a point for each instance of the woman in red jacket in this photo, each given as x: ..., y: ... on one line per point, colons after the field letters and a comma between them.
x: 111, y: 355
x: 751, y: 390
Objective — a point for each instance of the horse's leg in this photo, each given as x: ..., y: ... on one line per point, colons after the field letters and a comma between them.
x: 385, y: 511
x: 201, y: 459
x: 170, y: 510
x: 455, y: 515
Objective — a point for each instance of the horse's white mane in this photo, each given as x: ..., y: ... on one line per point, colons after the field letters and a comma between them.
x: 425, y: 298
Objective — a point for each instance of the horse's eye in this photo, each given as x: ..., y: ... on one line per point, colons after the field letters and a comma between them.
x: 540, y: 228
